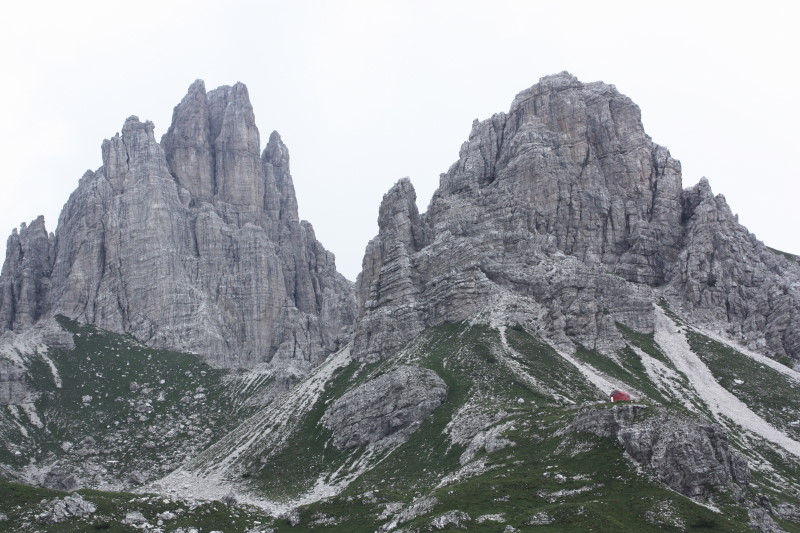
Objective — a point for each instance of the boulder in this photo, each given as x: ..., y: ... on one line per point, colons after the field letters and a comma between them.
x: 386, y: 409
x: 72, y: 506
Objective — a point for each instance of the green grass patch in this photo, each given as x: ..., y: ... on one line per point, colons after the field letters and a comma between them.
x: 645, y: 342
x: 124, y: 406
x: 22, y: 504
x: 787, y: 255
x: 771, y: 394
x: 579, y: 481
x: 549, y: 368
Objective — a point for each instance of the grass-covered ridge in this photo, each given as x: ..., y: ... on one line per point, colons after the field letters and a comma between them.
x: 518, y: 467
x: 567, y: 482
x: 768, y: 392
x: 116, y: 412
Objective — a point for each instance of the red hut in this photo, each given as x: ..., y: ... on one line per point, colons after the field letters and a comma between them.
x: 620, y: 396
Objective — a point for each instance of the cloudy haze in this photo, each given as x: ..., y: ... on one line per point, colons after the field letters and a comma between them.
x: 364, y: 93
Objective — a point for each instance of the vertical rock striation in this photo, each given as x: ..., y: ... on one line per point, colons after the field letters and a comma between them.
x: 24, y: 279
x: 193, y: 243
x: 563, y: 214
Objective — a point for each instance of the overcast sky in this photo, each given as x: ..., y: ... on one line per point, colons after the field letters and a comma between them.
x: 364, y: 93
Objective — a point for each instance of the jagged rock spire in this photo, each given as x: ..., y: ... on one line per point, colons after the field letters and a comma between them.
x: 193, y: 244
x: 188, y: 144
x: 25, y: 275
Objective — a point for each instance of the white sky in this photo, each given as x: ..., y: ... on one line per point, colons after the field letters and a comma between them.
x: 364, y: 93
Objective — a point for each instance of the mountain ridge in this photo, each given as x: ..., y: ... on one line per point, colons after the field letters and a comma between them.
x: 571, y: 169
x: 461, y: 382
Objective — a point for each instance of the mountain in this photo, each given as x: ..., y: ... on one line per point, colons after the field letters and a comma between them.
x: 564, y: 209
x: 462, y: 383
x: 192, y: 244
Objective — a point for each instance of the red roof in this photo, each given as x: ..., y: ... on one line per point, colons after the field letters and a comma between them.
x: 620, y: 396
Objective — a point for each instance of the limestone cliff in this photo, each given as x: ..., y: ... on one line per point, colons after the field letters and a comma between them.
x: 564, y: 215
x: 193, y: 244
x: 24, y: 278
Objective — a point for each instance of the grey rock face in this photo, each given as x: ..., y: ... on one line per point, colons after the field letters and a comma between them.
x: 193, y: 244
x: 450, y: 519
x: 59, y: 479
x: 725, y: 275
x: 760, y: 520
x: 24, y: 278
x: 14, y: 388
x: 388, y: 408
x: 564, y: 209
x: 689, y: 456
x: 72, y: 506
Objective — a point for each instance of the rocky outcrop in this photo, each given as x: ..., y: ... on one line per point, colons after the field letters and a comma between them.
x: 565, y: 214
x: 14, y: 389
x: 192, y: 244
x: 688, y: 455
x: 761, y: 521
x: 24, y: 279
x: 724, y: 275
x: 72, y: 506
x: 451, y: 519
x: 386, y: 409
x: 60, y: 478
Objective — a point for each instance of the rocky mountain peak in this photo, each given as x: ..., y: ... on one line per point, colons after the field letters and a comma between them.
x: 192, y: 244
x: 187, y: 144
x: 275, y: 153
x: 398, y: 215
x: 213, y: 147
x: 565, y: 205
x: 275, y: 163
x: 237, y: 148
x: 133, y: 156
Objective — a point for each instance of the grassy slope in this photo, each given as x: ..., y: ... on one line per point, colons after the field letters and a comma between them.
x: 581, y: 482
x: 770, y: 394
x: 21, y: 504
x: 142, y: 407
